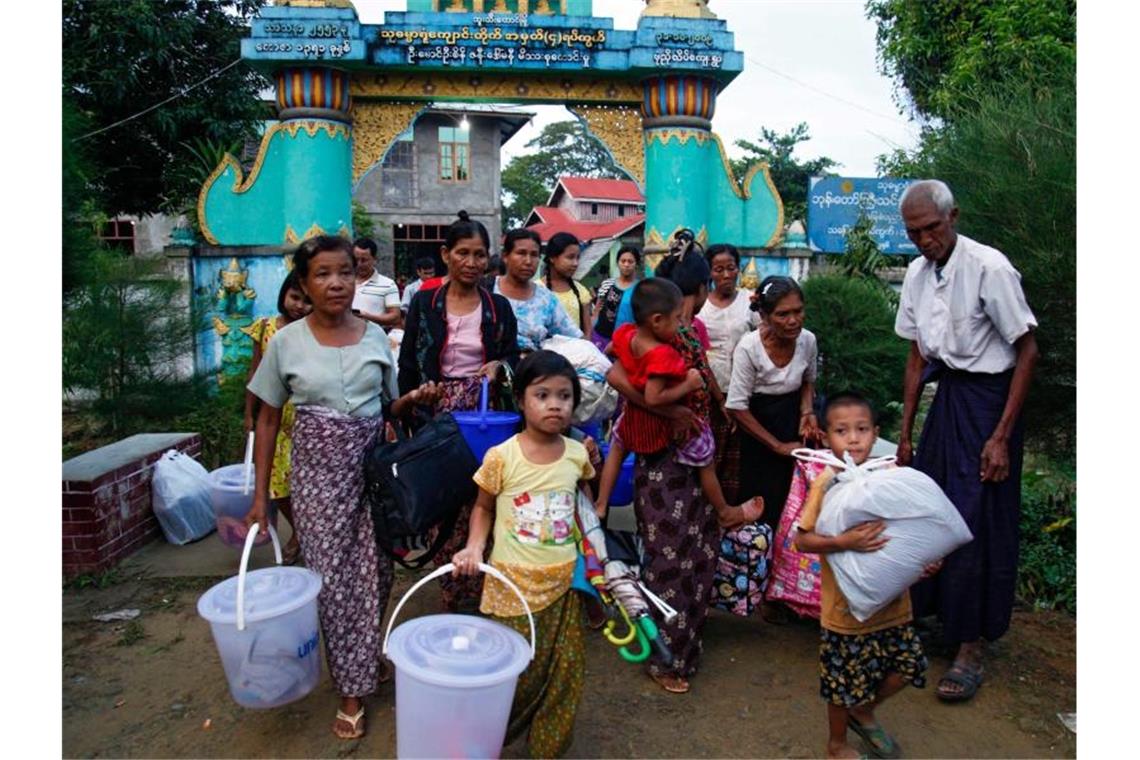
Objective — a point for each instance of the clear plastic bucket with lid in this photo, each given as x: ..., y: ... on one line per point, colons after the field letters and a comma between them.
x: 455, y: 679
x: 265, y: 627
x: 231, y: 498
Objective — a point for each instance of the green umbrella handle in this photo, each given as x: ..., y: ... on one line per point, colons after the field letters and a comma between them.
x: 641, y: 656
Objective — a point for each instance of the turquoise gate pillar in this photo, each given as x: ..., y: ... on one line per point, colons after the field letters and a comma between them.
x: 677, y: 113
x: 301, y: 181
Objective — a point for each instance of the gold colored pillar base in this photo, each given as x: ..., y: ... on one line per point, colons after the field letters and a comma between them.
x: 678, y: 8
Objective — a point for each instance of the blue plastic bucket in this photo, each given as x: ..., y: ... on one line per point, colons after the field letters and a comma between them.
x: 623, y: 489
x: 484, y: 429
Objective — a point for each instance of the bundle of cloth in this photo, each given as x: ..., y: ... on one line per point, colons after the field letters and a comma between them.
x: 599, y: 399
x: 922, y: 524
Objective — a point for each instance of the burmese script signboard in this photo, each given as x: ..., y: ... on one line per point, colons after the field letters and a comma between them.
x: 834, y: 206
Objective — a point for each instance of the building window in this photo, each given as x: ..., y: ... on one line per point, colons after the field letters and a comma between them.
x: 454, y: 154
x: 594, y: 209
x: 621, y: 210
x: 119, y: 234
x: 398, y: 189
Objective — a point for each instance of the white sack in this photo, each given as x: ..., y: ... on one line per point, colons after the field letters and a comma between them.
x: 180, y: 496
x: 922, y: 524
x: 599, y: 399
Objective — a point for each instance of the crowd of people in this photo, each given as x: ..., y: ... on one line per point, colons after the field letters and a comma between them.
x: 717, y: 387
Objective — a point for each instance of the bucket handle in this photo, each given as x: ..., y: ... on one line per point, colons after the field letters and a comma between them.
x: 484, y: 399
x: 444, y: 570
x: 249, y: 539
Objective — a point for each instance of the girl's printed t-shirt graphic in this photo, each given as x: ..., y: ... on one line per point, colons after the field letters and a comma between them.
x: 544, y: 518
x: 534, y: 534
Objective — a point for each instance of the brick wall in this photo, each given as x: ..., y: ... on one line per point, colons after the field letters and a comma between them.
x: 107, y: 513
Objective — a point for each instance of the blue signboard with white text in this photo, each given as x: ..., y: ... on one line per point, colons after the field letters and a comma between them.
x: 834, y: 205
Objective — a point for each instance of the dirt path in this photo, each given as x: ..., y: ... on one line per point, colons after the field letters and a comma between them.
x: 145, y: 689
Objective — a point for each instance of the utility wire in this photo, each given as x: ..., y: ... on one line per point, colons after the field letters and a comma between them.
x: 175, y: 96
x: 823, y: 92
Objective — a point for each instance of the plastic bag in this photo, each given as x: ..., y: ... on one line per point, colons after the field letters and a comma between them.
x: 181, y: 498
x: 794, y: 575
x: 599, y: 398
x: 922, y: 524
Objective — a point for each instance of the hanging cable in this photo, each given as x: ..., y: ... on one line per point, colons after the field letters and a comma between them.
x: 823, y: 92
x: 159, y: 105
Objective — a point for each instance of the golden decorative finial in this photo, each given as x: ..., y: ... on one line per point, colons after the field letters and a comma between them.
x: 678, y: 8
x: 750, y: 280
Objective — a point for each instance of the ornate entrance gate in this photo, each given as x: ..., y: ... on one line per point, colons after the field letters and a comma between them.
x: 345, y: 90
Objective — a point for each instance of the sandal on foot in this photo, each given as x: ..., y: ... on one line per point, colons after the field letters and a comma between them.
x: 355, y: 721
x: 671, y: 682
x: 968, y: 678
x: 878, y: 740
x: 385, y: 671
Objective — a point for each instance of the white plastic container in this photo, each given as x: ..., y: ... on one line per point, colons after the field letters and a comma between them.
x: 455, y: 679
x: 266, y: 630
x: 231, y: 500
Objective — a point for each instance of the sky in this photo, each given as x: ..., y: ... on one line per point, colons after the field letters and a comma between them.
x: 805, y: 60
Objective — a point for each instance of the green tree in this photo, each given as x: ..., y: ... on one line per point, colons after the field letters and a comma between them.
x: 853, y: 319
x: 122, y: 339
x: 121, y: 57
x: 789, y: 175
x: 1010, y: 158
x: 938, y: 50
x: 564, y: 148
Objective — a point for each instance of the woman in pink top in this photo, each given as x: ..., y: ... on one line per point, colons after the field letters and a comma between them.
x: 456, y: 333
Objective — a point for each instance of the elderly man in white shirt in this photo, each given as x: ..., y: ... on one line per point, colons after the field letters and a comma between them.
x: 377, y: 297
x: 970, y: 330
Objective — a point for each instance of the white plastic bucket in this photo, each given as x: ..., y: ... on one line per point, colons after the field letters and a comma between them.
x: 231, y: 499
x: 266, y: 630
x: 455, y: 679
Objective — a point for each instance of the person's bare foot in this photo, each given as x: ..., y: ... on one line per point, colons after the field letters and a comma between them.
x: 843, y: 750
x: 734, y: 517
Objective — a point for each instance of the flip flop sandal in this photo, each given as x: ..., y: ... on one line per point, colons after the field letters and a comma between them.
x: 878, y: 740
x: 671, y: 683
x: 968, y: 678
x: 352, y: 720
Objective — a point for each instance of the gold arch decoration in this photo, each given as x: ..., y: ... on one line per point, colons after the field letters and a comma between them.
x: 619, y: 128
x: 494, y: 87
x: 376, y: 126
x: 680, y: 134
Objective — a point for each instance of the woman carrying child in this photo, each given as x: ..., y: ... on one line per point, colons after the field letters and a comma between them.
x: 528, y: 493
x: 677, y: 522
x: 861, y: 664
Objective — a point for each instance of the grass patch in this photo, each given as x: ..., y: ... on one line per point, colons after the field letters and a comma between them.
x: 132, y: 634
x: 165, y: 647
x: 105, y: 579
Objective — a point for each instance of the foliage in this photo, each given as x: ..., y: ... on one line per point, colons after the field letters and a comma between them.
x: 121, y: 57
x: 1047, y: 566
x: 937, y: 50
x: 789, y: 175
x: 362, y: 223
x: 121, y: 336
x: 564, y: 148
x: 863, y: 259
x: 80, y: 218
x: 1010, y: 158
x: 198, y: 157
x: 217, y: 417
x: 853, y: 321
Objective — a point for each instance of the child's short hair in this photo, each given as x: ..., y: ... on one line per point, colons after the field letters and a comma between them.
x: 848, y: 398
x: 425, y: 262
x: 540, y: 364
x: 654, y: 295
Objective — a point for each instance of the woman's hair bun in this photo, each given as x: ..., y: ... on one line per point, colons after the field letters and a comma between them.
x: 464, y: 216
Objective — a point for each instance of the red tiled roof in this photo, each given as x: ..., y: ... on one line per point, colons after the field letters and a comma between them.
x: 621, y: 190
x: 556, y: 220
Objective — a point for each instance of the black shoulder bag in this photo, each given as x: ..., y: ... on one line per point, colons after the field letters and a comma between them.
x: 418, y: 482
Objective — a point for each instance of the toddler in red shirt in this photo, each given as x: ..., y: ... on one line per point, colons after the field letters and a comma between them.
x: 657, y: 369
